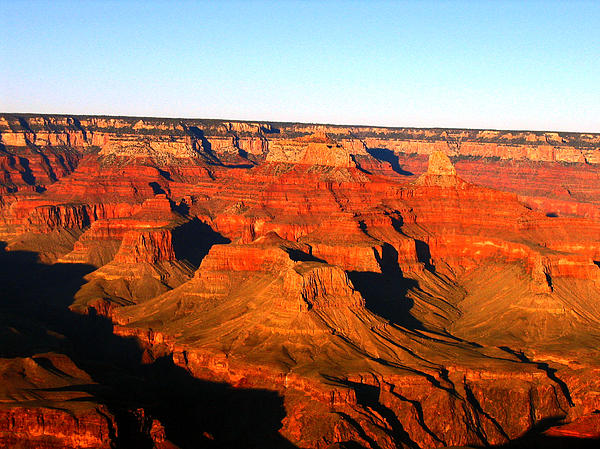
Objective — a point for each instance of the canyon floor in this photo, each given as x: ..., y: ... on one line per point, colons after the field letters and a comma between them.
x: 176, y: 283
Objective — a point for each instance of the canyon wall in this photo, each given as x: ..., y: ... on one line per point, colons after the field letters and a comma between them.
x: 370, y: 287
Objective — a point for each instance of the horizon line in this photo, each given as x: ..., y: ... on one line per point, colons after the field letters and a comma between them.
x: 340, y: 125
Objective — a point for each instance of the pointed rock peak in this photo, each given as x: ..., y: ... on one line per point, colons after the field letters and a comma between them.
x: 440, y: 172
x: 440, y: 165
x: 271, y: 238
x: 317, y: 137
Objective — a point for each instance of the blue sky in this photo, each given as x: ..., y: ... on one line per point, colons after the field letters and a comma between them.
x: 473, y: 64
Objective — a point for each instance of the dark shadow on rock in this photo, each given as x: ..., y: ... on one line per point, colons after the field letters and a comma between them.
x: 27, y: 174
x: 24, y: 124
x: 205, y: 146
x: 195, y: 413
x: 550, y: 372
x: 193, y: 240
x: 536, y: 438
x: 240, y: 158
x: 182, y: 208
x: 165, y: 174
x: 367, y: 396
x: 358, y: 161
x: 385, y: 292
x: 300, y: 256
x: 424, y: 255
x: 213, y: 409
x: 156, y: 188
x: 421, y: 247
x: 386, y: 155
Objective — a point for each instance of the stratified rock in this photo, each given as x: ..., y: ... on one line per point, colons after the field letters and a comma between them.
x: 440, y: 165
x: 313, y: 149
x: 440, y: 172
x: 387, y: 300
x: 43, y: 404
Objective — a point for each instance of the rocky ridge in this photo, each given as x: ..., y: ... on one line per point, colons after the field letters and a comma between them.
x: 308, y: 263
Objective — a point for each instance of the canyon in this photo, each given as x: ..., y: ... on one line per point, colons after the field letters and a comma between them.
x: 209, y: 283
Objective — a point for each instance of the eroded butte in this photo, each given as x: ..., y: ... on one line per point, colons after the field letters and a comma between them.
x: 203, y: 283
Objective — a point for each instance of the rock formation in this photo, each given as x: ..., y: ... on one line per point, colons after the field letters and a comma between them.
x: 370, y: 287
x: 440, y: 165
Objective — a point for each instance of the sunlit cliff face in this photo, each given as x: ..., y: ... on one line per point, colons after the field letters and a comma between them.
x: 367, y: 287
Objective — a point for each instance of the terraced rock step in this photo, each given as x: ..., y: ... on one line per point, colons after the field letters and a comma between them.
x: 369, y: 287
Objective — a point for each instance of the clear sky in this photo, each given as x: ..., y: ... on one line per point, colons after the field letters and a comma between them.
x: 474, y: 64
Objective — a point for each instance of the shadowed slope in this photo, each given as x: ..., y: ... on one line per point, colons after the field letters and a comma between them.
x: 73, y: 367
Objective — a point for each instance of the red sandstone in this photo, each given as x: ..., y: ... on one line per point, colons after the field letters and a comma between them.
x: 415, y: 287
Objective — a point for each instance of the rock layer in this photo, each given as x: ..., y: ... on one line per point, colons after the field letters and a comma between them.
x: 393, y: 287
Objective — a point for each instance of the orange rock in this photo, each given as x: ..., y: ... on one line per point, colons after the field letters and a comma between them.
x: 395, y: 287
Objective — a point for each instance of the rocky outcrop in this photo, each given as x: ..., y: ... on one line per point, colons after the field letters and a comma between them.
x: 136, y: 258
x: 321, y: 287
x: 314, y: 149
x: 54, y: 428
x: 440, y: 172
x: 35, y: 410
x: 44, y: 403
x: 393, y: 287
x: 440, y: 165
x: 192, y: 148
x: 146, y: 246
